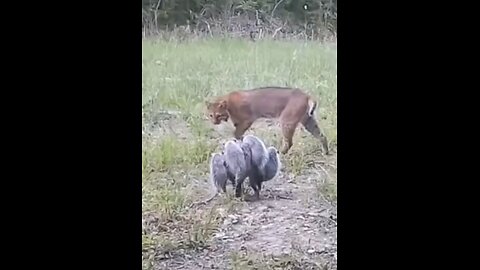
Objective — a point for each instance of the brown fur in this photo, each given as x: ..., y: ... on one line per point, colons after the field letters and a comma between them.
x: 290, y: 105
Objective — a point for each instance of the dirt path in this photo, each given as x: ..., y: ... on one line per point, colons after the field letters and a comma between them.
x: 293, y: 226
x: 289, y: 228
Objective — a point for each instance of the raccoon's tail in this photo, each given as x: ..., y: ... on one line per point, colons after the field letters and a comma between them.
x: 215, y: 191
x: 205, y: 201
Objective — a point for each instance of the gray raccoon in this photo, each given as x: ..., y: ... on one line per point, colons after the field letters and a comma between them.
x: 273, y: 166
x: 263, y: 163
x: 271, y: 169
x: 247, y: 153
x: 218, y: 176
x: 258, y: 151
x: 218, y: 173
x: 229, y: 165
x: 236, y: 165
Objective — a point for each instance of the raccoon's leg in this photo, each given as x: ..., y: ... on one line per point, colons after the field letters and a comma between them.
x: 238, y: 188
x: 255, y: 182
x: 231, y: 177
x: 259, y: 185
x: 255, y: 190
x: 240, y: 178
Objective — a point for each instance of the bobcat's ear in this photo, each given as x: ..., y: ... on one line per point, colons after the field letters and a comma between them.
x: 222, y: 104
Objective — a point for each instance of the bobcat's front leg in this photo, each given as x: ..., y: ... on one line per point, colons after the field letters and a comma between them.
x: 240, y: 129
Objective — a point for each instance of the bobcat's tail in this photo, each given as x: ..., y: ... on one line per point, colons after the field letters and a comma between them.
x: 312, y: 106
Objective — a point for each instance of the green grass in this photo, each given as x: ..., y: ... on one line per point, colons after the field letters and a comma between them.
x: 177, y: 143
x: 180, y: 76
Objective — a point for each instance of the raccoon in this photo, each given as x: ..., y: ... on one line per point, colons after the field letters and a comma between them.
x: 229, y: 165
x: 269, y: 172
x: 241, y: 159
x: 218, y: 172
x: 257, y: 150
x: 236, y: 165
x: 218, y: 176
x: 273, y: 166
x: 263, y: 164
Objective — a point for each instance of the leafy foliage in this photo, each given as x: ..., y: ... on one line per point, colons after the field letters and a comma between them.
x: 164, y: 14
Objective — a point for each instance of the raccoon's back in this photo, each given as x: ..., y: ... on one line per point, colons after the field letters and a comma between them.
x: 272, y: 166
x: 235, y: 159
x: 259, y: 154
x: 218, y: 171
